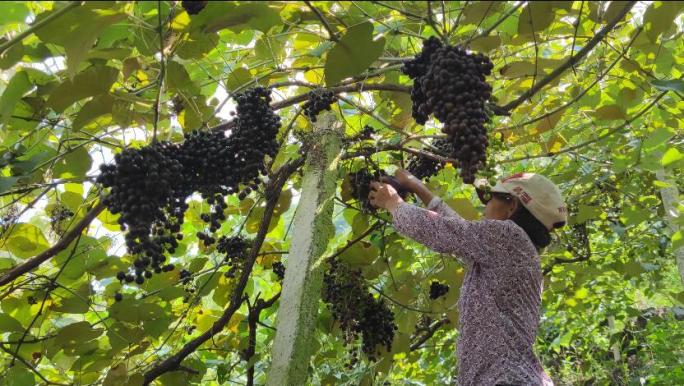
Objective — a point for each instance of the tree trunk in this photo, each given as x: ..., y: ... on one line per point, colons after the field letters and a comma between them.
x: 313, y: 228
x: 670, y: 197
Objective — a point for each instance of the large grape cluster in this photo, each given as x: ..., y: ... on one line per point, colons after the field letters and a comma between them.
x: 423, y: 168
x: 358, y: 312
x: 149, y: 186
x: 450, y: 83
x: 319, y: 100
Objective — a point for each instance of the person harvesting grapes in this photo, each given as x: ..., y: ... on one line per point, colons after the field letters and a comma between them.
x: 499, y: 307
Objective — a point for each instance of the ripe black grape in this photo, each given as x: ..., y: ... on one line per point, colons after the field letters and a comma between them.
x: 450, y: 83
x: 360, y: 183
x: 118, y: 297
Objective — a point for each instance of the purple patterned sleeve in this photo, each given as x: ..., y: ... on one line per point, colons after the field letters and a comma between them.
x: 446, y: 234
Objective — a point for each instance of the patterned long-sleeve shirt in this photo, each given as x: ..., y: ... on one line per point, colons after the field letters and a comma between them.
x: 500, y: 296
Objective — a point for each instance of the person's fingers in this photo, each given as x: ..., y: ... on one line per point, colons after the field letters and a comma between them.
x: 385, y: 179
x: 375, y: 185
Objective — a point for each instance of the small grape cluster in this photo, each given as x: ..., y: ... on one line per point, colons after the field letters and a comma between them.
x: 319, y: 100
x: 438, y: 290
x: 279, y: 270
x: 360, y: 184
x: 58, y: 217
x: 149, y: 186
x: 193, y: 7
x: 450, y: 83
x: 235, y: 249
x: 358, y: 312
x: 423, y: 168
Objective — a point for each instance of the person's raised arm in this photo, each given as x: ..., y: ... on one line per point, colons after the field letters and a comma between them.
x: 431, y: 201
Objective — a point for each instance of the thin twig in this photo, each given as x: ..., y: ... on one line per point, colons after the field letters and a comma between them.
x: 162, y: 73
x: 574, y: 59
x: 38, y: 25
x: 331, y: 33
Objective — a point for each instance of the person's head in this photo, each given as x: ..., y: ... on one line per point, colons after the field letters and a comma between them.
x: 530, y: 200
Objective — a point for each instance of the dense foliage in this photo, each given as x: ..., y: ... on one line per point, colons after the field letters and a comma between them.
x: 172, y: 98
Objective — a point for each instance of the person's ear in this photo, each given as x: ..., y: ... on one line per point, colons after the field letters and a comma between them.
x: 512, y: 207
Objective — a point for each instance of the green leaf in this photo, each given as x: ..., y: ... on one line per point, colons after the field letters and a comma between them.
x: 93, y: 81
x: 676, y: 85
x: 9, y: 324
x: 13, y: 12
x: 610, y: 112
x: 74, y: 164
x: 26, y: 240
x: 517, y: 70
x: 76, y: 334
x: 238, y: 78
x: 131, y: 310
x: 486, y: 43
x: 19, y: 376
x: 17, y: 87
x: 535, y: 17
x: 353, y: 54
x: 475, y: 11
x: 96, y: 107
x: 219, y: 15
x: 671, y: 156
x: 6, y: 183
x: 659, y: 17
x: 586, y: 212
x: 76, y: 31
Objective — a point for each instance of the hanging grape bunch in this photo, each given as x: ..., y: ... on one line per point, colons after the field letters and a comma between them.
x: 235, y: 250
x: 450, y: 83
x: 423, y: 168
x: 319, y: 100
x: 358, y: 312
x: 148, y: 186
x: 438, y: 290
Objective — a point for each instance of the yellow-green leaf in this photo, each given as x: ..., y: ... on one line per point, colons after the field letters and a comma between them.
x: 353, y: 54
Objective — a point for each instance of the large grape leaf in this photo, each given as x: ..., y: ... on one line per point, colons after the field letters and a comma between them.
x: 353, y: 54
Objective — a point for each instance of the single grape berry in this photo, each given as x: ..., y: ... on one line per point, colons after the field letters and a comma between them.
x: 118, y: 296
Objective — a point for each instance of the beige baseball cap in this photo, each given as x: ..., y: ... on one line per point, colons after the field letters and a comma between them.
x: 537, y: 193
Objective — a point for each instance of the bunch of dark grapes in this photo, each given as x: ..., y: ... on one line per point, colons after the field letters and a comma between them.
x: 319, y: 100
x: 149, y: 186
x: 145, y: 191
x: 360, y: 184
x: 358, y: 312
x: 235, y: 249
x: 423, y: 168
x: 416, y: 69
x: 438, y: 289
x: 279, y: 270
x: 193, y: 7
x: 450, y: 83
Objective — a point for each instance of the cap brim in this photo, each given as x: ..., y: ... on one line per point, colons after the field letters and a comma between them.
x: 482, y: 187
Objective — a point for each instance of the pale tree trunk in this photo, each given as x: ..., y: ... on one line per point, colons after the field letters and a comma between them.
x: 670, y: 198
x: 312, y: 230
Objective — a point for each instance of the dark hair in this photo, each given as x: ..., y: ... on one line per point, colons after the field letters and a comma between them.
x: 535, y: 230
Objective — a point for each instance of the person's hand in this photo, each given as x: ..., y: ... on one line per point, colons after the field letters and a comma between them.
x: 383, y: 196
x: 407, y: 180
